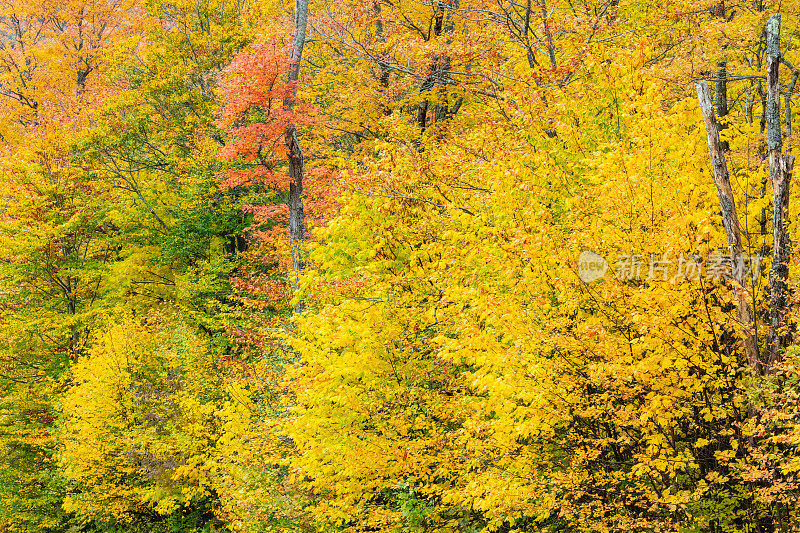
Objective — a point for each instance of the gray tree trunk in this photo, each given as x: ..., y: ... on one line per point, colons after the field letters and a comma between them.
x: 438, y: 72
x: 730, y: 219
x: 722, y: 89
x: 721, y: 98
x: 297, y: 225
x: 780, y: 173
x: 551, y: 49
x: 787, y: 101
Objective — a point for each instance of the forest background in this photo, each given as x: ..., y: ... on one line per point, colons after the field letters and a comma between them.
x: 315, y: 267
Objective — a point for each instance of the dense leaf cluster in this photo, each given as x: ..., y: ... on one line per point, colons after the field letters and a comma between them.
x: 437, y: 360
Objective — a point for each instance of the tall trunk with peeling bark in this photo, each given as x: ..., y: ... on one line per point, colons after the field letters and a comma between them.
x: 295, y: 154
x: 780, y: 173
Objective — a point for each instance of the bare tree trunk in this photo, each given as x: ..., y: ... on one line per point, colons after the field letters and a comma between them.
x: 787, y: 101
x: 438, y: 75
x: 613, y: 10
x: 722, y: 89
x: 551, y: 49
x: 722, y: 97
x: 297, y: 224
x: 763, y: 95
x: 384, y: 76
x: 422, y: 111
x: 730, y: 219
x: 780, y: 173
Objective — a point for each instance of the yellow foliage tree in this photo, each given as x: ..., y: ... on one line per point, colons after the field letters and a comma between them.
x: 459, y: 372
x: 137, y: 432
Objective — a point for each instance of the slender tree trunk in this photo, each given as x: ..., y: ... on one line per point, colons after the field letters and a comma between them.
x: 551, y: 49
x: 780, y: 173
x: 613, y: 10
x: 438, y: 74
x: 722, y: 97
x: 379, y: 36
x: 730, y: 219
x: 297, y: 224
x: 722, y: 89
x: 422, y: 112
x: 787, y: 100
x: 763, y: 95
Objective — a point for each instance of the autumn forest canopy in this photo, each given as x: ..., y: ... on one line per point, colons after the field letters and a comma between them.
x: 402, y: 266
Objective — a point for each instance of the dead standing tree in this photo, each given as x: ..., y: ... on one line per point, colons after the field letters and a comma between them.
x: 780, y: 167
x: 730, y: 219
x: 780, y: 173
